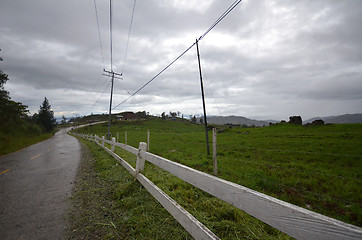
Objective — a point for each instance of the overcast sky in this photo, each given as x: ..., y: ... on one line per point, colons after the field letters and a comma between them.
x: 266, y: 60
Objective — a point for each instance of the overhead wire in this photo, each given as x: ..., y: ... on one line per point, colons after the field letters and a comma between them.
x: 129, y: 35
x: 110, y: 32
x: 99, y: 32
x: 158, y: 74
x: 122, y: 86
x: 210, y: 90
x: 227, y: 11
x: 101, y: 94
x: 93, y: 88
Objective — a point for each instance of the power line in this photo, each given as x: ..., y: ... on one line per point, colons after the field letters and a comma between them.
x: 158, y: 74
x: 129, y: 34
x: 99, y: 32
x: 232, y: 6
x: 94, y: 86
x: 122, y: 86
x: 210, y: 90
x: 110, y: 32
x: 101, y: 94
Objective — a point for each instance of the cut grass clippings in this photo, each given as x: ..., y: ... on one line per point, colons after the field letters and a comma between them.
x: 107, y: 203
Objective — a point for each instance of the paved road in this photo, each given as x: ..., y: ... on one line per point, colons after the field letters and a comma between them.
x: 34, y: 185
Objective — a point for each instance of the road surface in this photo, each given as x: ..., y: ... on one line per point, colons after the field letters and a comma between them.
x: 34, y: 185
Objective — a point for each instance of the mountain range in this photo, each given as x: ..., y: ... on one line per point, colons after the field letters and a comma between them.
x: 222, y: 120
x: 345, y: 118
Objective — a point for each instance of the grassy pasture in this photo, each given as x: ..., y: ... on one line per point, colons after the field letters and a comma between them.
x: 11, y: 142
x: 318, y: 168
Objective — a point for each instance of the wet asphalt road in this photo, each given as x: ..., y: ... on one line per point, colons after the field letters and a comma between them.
x: 34, y: 185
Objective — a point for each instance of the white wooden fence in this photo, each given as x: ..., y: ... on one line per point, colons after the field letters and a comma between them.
x: 297, y: 222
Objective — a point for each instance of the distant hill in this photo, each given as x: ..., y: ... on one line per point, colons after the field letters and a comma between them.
x: 346, y: 118
x: 220, y: 120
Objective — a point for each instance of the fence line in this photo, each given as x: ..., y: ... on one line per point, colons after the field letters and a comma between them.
x: 189, y: 222
x: 215, y: 172
x: 288, y: 218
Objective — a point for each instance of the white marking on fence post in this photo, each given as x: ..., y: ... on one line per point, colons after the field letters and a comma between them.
x: 140, y: 164
x: 214, y: 150
x: 148, y: 140
x: 102, y: 141
x: 113, y: 142
x: 125, y: 137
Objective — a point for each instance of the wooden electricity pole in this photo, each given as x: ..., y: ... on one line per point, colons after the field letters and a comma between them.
x: 113, y: 75
x: 203, y: 100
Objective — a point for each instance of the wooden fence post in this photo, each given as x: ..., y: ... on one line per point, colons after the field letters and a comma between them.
x: 102, y: 141
x: 113, y: 142
x: 148, y: 140
x: 214, y: 151
x: 125, y: 137
x: 140, y: 164
x: 117, y: 137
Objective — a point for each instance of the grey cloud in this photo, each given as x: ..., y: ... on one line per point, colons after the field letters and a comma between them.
x: 299, y: 55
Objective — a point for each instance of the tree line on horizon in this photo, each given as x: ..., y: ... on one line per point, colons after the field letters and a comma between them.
x: 15, y: 118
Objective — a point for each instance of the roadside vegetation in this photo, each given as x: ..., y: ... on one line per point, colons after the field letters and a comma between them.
x: 108, y: 203
x: 318, y: 168
x: 17, y: 128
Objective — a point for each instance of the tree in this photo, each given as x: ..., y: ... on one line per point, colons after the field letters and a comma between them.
x: 11, y: 112
x: 173, y: 115
x: 46, y: 116
x: 142, y: 115
x: 64, y: 120
x: 4, y: 95
x: 193, y: 119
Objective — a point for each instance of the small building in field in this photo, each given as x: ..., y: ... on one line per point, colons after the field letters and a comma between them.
x: 126, y: 116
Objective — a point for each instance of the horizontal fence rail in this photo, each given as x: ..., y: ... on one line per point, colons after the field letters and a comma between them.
x: 297, y: 222
x: 189, y: 222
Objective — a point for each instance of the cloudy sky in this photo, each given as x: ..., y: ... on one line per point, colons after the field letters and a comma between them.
x: 266, y: 60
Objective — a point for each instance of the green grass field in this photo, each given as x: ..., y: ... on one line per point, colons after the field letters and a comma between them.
x: 15, y: 141
x: 318, y: 168
x: 107, y: 203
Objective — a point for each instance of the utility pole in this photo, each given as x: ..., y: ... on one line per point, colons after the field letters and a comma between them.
x: 113, y: 75
x: 203, y: 99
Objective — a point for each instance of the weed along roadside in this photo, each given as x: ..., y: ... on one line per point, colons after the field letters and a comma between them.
x: 216, y: 216
x: 108, y: 204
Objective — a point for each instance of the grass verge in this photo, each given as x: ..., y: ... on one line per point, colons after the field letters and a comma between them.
x: 108, y: 204
x: 12, y: 143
